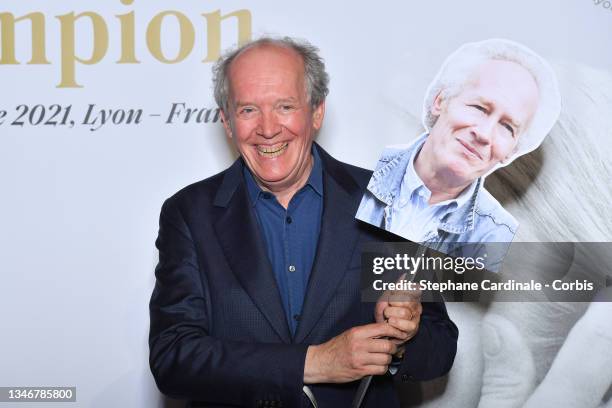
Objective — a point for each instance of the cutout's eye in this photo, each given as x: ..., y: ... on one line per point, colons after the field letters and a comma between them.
x: 479, y: 107
x: 509, y: 128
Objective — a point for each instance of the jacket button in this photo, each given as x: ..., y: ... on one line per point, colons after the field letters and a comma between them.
x: 404, y: 377
x: 259, y: 403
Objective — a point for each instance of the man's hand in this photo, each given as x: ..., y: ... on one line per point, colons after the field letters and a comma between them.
x: 400, y: 309
x: 352, y: 355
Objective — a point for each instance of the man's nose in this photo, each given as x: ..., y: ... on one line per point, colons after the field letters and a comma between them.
x: 269, y: 125
x: 483, y: 131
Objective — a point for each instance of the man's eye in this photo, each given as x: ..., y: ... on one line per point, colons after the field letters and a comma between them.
x: 509, y: 128
x: 286, y: 108
x: 480, y: 108
x: 246, y: 110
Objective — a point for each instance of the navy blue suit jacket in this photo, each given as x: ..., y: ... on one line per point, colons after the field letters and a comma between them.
x: 219, y: 336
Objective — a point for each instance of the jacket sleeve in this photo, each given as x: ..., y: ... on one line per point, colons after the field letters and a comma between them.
x: 431, y: 352
x: 188, y: 362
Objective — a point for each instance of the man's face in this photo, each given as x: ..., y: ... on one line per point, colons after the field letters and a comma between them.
x: 480, y: 127
x: 269, y: 116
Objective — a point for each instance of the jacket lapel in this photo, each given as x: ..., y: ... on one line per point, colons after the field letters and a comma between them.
x: 337, y: 242
x: 240, y: 239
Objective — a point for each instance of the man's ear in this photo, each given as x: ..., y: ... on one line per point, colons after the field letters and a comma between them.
x: 226, y: 124
x: 317, y: 116
x: 436, y: 106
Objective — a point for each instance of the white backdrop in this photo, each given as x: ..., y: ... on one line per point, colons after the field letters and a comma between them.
x: 79, y: 208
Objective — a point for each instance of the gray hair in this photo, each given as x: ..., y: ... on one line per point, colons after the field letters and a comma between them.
x: 459, y: 67
x: 317, y: 79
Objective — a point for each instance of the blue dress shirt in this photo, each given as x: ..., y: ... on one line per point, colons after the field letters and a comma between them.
x: 291, y: 235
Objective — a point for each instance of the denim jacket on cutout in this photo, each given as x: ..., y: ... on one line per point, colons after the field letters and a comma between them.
x: 482, y: 219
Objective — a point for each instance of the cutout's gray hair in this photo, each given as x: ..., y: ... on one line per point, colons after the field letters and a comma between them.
x: 458, y: 68
x: 317, y: 79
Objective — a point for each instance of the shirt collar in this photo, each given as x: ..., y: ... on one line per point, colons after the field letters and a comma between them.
x: 386, y: 183
x: 412, y: 181
x: 315, y: 180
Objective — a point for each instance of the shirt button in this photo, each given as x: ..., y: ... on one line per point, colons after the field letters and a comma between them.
x: 289, y: 220
x: 291, y: 268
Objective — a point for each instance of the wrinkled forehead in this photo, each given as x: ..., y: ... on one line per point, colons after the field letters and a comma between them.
x: 504, y: 72
x: 266, y: 60
x: 505, y: 84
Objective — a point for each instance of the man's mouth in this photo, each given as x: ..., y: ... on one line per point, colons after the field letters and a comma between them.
x: 273, y: 150
x: 471, y: 150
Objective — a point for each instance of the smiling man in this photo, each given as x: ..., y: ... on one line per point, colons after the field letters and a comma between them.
x: 491, y: 102
x: 271, y: 121
x: 257, y: 298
